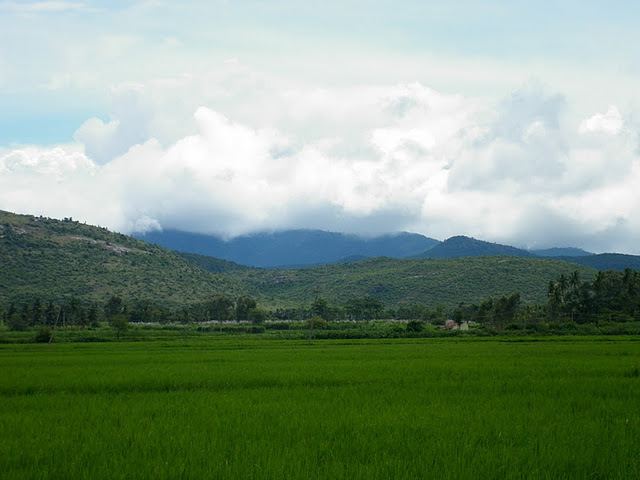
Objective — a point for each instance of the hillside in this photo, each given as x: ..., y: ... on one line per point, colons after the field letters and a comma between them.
x: 561, y: 252
x: 212, y: 264
x: 57, y: 258
x: 292, y: 247
x: 431, y: 282
x: 607, y: 261
x: 461, y: 246
x: 52, y: 259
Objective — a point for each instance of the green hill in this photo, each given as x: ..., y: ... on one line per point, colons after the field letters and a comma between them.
x: 431, y: 282
x: 213, y: 264
x: 52, y: 259
x: 607, y: 261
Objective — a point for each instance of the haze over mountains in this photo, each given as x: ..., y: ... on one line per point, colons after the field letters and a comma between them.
x: 461, y: 246
x: 293, y: 247
x: 297, y: 248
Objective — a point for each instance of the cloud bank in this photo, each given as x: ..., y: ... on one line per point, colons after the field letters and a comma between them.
x: 362, y: 159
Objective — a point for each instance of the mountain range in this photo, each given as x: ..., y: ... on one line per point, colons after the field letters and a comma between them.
x: 300, y: 248
x: 293, y: 248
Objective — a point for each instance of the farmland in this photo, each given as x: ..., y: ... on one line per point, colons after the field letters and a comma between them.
x: 251, y: 407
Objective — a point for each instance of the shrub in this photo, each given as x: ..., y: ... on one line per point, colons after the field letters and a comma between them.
x: 315, y: 323
x: 414, y: 326
x: 44, y: 335
x: 278, y: 326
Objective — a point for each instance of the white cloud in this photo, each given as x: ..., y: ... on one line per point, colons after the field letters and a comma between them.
x: 98, y: 137
x: 146, y: 224
x: 55, y: 163
x: 130, y: 125
x: 382, y: 158
x: 609, y: 123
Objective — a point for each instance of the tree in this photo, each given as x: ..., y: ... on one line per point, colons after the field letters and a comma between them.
x: 142, y: 311
x: 75, y: 312
x: 257, y: 315
x: 316, y: 323
x: 320, y: 308
x: 16, y: 321
x: 505, y: 309
x: 554, y: 301
x: 365, y: 308
x: 114, y: 306
x: 92, y: 315
x: 243, y: 307
x: 82, y: 319
x: 414, y: 311
x: 484, y: 313
x: 119, y: 323
x: 36, y: 313
x: 50, y: 314
x: 221, y: 308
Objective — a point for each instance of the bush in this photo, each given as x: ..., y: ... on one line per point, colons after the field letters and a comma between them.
x: 315, y: 323
x: 278, y: 326
x: 44, y: 335
x: 414, y: 326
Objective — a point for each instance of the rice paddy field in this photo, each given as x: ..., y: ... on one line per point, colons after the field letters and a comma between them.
x: 224, y: 407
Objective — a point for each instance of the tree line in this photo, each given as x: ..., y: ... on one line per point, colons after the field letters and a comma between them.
x: 611, y: 296
x: 22, y: 315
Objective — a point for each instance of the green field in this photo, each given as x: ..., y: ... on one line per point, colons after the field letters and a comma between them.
x: 254, y: 408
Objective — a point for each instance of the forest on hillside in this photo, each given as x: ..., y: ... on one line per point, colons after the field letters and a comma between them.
x: 611, y: 298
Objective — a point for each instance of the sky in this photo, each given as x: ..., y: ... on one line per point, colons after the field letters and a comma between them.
x: 510, y: 121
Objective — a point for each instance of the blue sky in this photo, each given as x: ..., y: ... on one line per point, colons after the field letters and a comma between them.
x: 476, y: 99
x: 522, y: 37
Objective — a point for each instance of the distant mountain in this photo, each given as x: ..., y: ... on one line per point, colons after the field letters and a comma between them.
x: 461, y: 246
x: 607, y: 261
x: 292, y: 247
x: 561, y: 252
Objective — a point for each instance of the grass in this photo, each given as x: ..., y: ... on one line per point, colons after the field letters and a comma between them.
x: 228, y: 407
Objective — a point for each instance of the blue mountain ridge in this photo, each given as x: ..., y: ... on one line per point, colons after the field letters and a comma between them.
x: 292, y: 247
x: 300, y: 248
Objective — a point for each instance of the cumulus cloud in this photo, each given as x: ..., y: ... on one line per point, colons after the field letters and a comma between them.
x: 130, y: 125
x: 609, y: 123
x: 380, y: 158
